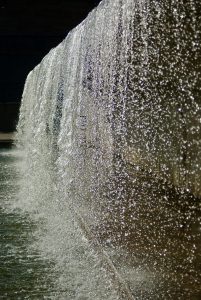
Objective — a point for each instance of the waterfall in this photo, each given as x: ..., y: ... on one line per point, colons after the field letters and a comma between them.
x: 109, y: 128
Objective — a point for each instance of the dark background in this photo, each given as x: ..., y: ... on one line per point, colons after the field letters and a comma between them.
x: 28, y: 30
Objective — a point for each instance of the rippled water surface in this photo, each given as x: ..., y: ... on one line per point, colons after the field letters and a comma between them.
x: 43, y: 256
x: 23, y: 272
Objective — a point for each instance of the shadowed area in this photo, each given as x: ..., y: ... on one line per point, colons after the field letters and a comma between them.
x: 28, y: 30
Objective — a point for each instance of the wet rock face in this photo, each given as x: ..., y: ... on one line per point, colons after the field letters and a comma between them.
x: 161, y: 103
x: 112, y: 115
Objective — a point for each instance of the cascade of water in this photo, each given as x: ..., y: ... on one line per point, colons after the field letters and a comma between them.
x: 110, y: 129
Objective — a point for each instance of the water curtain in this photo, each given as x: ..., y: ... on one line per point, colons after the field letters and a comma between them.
x: 110, y: 120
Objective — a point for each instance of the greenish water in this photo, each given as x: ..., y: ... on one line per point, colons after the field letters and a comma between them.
x: 23, y: 272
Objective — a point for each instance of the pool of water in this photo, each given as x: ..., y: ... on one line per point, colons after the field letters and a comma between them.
x: 23, y: 273
x: 43, y: 256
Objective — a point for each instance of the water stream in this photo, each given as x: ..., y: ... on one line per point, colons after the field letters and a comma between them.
x: 109, y: 140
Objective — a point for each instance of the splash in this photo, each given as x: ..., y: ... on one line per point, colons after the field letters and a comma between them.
x: 110, y: 129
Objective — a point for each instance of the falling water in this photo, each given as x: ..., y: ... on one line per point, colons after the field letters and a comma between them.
x: 109, y: 129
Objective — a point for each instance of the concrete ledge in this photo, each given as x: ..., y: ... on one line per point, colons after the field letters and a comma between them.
x: 6, y: 137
